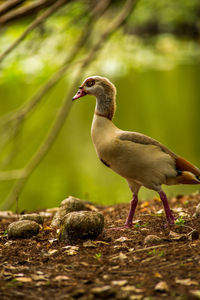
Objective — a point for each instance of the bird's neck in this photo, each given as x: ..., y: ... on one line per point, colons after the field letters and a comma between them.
x: 105, y: 106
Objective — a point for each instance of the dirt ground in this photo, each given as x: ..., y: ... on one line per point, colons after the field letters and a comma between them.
x: 120, y: 264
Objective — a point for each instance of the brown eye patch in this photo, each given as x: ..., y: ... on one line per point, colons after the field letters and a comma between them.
x: 90, y: 82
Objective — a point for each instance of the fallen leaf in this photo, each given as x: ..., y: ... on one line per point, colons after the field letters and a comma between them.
x: 195, y: 293
x: 24, y: 279
x: 71, y: 252
x: 161, y: 287
x: 61, y: 278
x: 122, y: 239
x: 177, y: 237
x: 131, y: 288
x: 89, y: 244
x: 48, y: 229
x: 91, y: 207
x: 52, y: 251
x: 144, y: 204
x: 157, y: 275
x: 119, y: 282
x: 102, y: 242
x: 186, y: 281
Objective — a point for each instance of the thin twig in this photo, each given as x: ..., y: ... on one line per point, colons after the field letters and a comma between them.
x: 64, y: 110
x: 32, y: 26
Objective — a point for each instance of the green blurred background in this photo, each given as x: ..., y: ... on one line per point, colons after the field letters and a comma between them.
x: 154, y: 61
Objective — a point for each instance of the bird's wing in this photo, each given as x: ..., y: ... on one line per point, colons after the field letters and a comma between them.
x: 144, y: 140
x: 186, y: 172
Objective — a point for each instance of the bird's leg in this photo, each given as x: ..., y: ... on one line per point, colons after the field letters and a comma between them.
x: 170, y: 217
x: 131, y: 213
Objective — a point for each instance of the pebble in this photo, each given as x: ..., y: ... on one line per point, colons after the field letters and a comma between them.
x: 33, y: 217
x: 161, y: 287
x: 81, y: 225
x: 152, y: 239
x: 23, y: 229
x: 68, y: 205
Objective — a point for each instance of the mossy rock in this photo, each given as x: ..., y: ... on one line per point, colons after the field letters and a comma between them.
x: 23, y: 229
x: 81, y: 225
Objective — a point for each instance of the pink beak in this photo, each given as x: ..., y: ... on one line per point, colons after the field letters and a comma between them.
x: 79, y: 94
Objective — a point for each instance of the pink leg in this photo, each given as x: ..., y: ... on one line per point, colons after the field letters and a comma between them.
x: 170, y: 217
x: 133, y: 205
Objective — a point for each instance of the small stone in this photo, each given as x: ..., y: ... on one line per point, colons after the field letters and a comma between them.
x: 103, y: 292
x: 161, y: 287
x: 81, y: 225
x: 23, y: 229
x: 68, y: 205
x: 152, y: 239
x: 33, y: 217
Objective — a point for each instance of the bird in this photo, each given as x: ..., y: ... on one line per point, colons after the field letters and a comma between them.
x: 140, y: 159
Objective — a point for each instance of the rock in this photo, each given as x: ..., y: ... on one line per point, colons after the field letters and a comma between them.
x: 33, y: 217
x: 81, y: 225
x: 68, y: 205
x: 23, y: 229
x: 161, y: 287
x: 152, y: 239
x: 103, y: 292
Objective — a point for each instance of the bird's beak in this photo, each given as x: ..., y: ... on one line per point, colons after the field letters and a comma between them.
x: 80, y: 93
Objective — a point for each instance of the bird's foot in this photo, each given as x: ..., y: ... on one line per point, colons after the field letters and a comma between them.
x: 170, y: 221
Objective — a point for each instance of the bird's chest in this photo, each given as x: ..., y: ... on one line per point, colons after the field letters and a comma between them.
x: 104, y: 138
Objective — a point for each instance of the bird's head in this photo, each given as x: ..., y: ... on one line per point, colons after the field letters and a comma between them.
x: 96, y: 86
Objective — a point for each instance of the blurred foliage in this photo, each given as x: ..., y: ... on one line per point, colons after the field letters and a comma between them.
x: 154, y: 60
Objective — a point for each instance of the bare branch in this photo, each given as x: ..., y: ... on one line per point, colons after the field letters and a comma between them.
x: 25, y: 11
x: 64, y: 110
x: 8, y: 5
x: 18, y: 115
x: 32, y: 26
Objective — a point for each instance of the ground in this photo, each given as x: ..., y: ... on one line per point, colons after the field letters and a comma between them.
x: 118, y: 265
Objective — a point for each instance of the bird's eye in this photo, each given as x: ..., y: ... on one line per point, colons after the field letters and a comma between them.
x: 90, y: 82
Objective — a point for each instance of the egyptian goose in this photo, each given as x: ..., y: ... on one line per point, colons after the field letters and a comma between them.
x: 141, y: 160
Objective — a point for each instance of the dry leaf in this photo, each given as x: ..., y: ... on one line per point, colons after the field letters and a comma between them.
x: 24, y: 279
x: 89, y: 244
x: 61, y: 277
x: 119, y: 282
x: 131, y: 288
x: 145, y: 204
x: 161, y: 287
x: 122, y: 239
x: 186, y: 281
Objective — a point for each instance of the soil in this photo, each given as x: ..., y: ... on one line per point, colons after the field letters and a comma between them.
x: 118, y: 265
